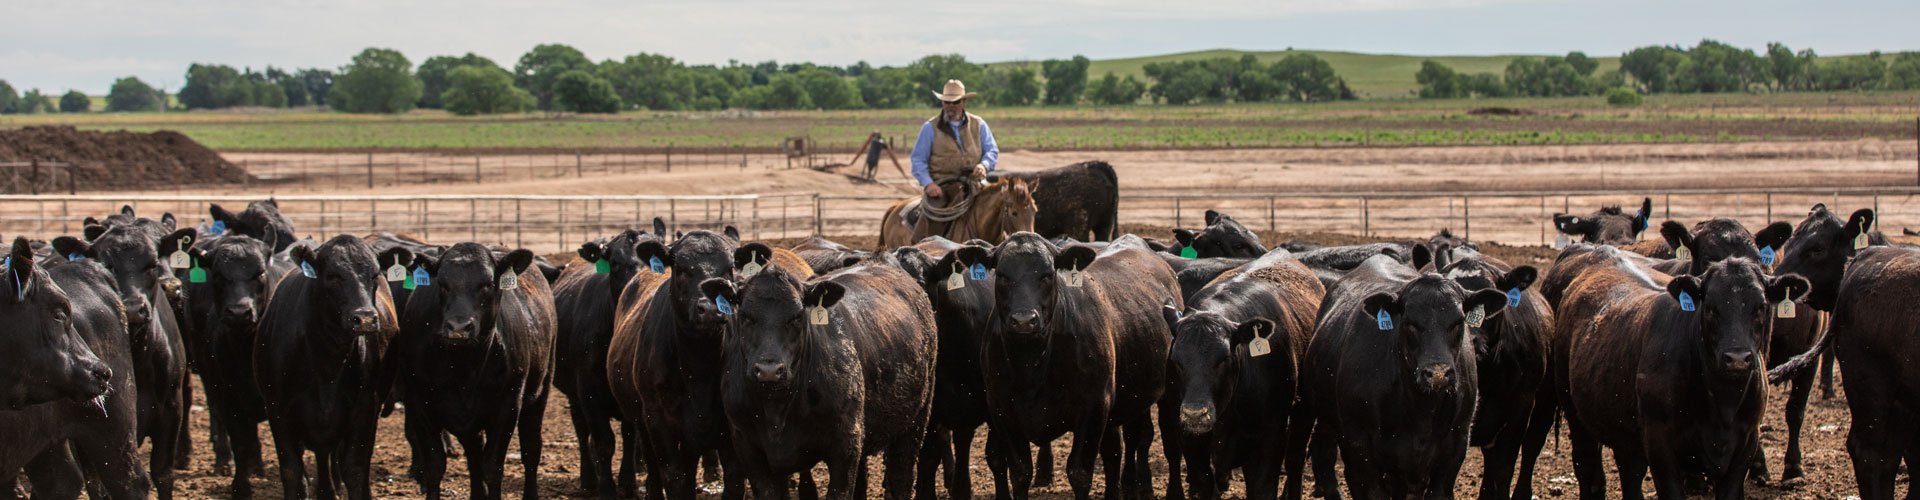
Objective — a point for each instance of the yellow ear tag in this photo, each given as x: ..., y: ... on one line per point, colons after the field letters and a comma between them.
x: 1075, y: 278
x: 1477, y: 316
x: 179, y: 260
x: 1683, y: 254
x: 1259, y: 346
x: 817, y: 315
x: 1860, y: 242
x: 753, y: 267
x: 509, y: 281
x: 396, y: 272
x: 1786, y: 309
x: 957, y: 280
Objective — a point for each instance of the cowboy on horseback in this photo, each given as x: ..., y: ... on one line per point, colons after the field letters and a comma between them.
x: 951, y: 158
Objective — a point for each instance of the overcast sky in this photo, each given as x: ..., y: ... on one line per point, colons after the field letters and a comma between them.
x: 57, y: 45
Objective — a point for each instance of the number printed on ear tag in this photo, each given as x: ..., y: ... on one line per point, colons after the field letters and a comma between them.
x: 1686, y: 302
x: 179, y: 260
x: 1189, y: 253
x: 421, y: 278
x: 1786, y: 309
x: 1477, y: 316
x: 1076, y: 278
x: 1259, y: 346
x: 721, y: 303
x: 1385, y: 320
x: 1860, y: 242
x: 1513, y: 297
x: 1683, y: 254
x: 509, y: 281
x: 654, y: 264
x: 1766, y: 256
x: 978, y: 272
x: 817, y: 315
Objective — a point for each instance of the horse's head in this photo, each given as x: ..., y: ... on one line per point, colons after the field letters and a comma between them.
x: 1008, y: 208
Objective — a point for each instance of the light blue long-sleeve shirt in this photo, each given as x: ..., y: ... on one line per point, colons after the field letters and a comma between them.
x: 923, y: 147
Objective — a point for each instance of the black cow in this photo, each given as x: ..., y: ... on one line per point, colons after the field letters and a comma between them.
x: 261, y: 220
x: 1076, y: 201
x: 1232, y: 376
x: 1667, y: 371
x: 1606, y: 226
x: 1223, y: 237
x: 1076, y: 344
x: 830, y: 370
x: 70, y: 402
x: 476, y: 356
x: 1516, y: 408
x: 160, y: 355
x: 321, y: 360
x: 221, y: 314
x: 826, y: 256
x: 1194, y: 274
x: 1391, y: 379
x: 664, y: 360
x: 585, y: 298
x: 1333, y: 263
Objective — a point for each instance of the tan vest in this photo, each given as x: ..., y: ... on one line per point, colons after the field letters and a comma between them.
x: 945, y: 160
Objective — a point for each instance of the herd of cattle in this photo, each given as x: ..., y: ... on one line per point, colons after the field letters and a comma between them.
x: 1389, y: 359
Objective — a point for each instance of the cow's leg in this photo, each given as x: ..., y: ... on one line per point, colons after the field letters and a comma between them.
x: 1019, y: 454
x: 1200, y: 471
x: 183, y: 444
x: 710, y: 466
x: 1170, y: 447
x: 735, y: 488
x: 1110, y: 461
x: 1586, y: 461
x: 1326, y: 452
x: 245, y: 440
x: 897, y: 482
x: 55, y: 474
x: 166, y: 441
x: 1299, y: 433
x: 529, y: 421
x: 959, y: 473
x: 495, y: 452
x: 1439, y: 483
x: 1545, y: 411
x: 600, y: 427
x: 1668, y: 478
x: 325, y: 482
x: 1139, y: 434
x: 999, y: 463
x: 1043, y: 466
x: 1826, y: 374
x: 1796, y: 419
x: 429, y: 455
x: 842, y: 471
x: 1497, y: 461
x: 583, y: 437
x: 630, y: 453
x: 931, y: 455
x: 1877, y: 441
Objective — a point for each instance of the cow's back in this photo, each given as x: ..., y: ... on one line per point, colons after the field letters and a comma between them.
x: 894, y: 331
x: 1874, y: 323
x: 634, y: 351
x: 1132, y: 285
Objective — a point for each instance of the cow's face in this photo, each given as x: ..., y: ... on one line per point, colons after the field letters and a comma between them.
x: 1720, y: 239
x: 1223, y: 237
x: 622, y: 262
x: 693, y: 259
x: 1027, y: 279
x: 1607, y: 226
x: 1819, y: 250
x: 238, y: 282
x: 467, y: 278
x: 1427, y: 318
x: 1203, y: 370
x: 42, y: 356
x: 346, y: 286
x: 771, y: 322
x: 1476, y: 274
x: 138, y: 274
x: 1734, y: 303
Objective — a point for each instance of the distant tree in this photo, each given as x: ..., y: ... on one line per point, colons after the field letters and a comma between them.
x: 932, y: 72
x: 1437, y: 81
x: 1307, y: 78
x: 830, y: 91
x: 75, y: 101
x: 213, y: 86
x: 888, y: 88
x: 787, y: 92
x: 1651, y: 66
x: 1851, y: 73
x: 319, y: 83
x: 1066, y: 79
x: 8, y: 99
x: 131, y: 94
x: 1111, y: 90
x: 650, y: 81
x: 1785, y: 69
x: 581, y: 92
x: 33, y: 102
x: 1904, y: 73
x: 1257, y: 85
x: 483, y: 89
x: 1009, y: 87
x: 268, y: 94
x: 377, y: 81
x: 541, y: 67
x: 1488, y: 85
x: 433, y: 76
x: 754, y: 97
x: 1581, y: 64
x: 1622, y: 96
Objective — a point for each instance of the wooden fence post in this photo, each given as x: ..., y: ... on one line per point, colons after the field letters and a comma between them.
x: 369, y: 170
x: 669, y: 158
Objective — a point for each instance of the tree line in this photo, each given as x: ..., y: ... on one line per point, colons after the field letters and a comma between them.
x: 1707, y: 67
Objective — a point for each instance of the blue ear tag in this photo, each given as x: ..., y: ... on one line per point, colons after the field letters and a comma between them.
x: 1386, y: 320
x: 307, y: 270
x: 73, y: 257
x: 1686, y: 302
x: 1640, y: 221
x: 1766, y: 256
x: 721, y: 303
x: 978, y: 272
x: 1513, y: 297
x: 19, y: 289
x: 219, y: 228
x: 654, y: 264
x: 421, y: 278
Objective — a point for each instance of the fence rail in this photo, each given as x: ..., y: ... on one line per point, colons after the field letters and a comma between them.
x: 558, y: 223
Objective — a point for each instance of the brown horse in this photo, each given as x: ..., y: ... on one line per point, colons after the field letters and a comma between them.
x: 1002, y: 208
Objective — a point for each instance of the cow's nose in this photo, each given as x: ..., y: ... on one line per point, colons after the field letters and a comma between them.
x: 770, y: 371
x: 1436, y: 375
x: 240, y: 310
x: 1025, y: 321
x: 460, y: 328
x: 1738, y: 361
x: 364, y: 318
x: 101, y: 373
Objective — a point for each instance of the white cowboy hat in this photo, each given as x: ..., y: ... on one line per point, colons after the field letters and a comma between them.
x: 953, y: 92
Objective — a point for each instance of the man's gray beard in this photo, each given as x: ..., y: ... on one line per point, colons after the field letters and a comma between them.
x: 953, y: 116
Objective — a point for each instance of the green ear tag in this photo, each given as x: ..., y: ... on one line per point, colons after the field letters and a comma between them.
x: 1189, y: 253
x: 408, y: 284
x: 197, y: 275
x: 602, y: 266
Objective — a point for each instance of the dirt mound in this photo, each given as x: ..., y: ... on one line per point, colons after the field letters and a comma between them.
x: 103, y: 160
x: 1499, y: 111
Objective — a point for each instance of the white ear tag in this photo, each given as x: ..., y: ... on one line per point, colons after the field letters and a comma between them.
x: 1683, y: 254
x: 509, y: 281
x: 817, y: 315
x: 1560, y: 242
x: 1259, y: 346
x: 1477, y: 316
x: 396, y: 272
x: 1786, y: 309
x: 1076, y: 277
x: 1860, y: 242
x: 179, y: 260
x: 956, y: 281
x: 753, y: 267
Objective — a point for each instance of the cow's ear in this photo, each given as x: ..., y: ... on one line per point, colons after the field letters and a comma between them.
x: 1251, y: 329
x: 659, y: 227
x: 648, y: 251
x: 1184, y: 236
x: 822, y: 294
x: 1383, y: 301
x: 1212, y: 217
x: 71, y: 248
x: 1519, y: 278
x: 756, y: 252
x: 1074, y: 257
x: 89, y: 221
x: 714, y: 288
x: 427, y: 262
x: 969, y: 255
x: 167, y: 220
x: 1421, y: 256
x: 1573, y: 225
x: 1787, y: 287
x: 93, y: 231
x: 1640, y: 219
x: 19, y: 269
x: 515, y: 262
x: 302, y: 255
x: 1172, y: 315
x: 221, y: 214
x: 591, y: 252
x: 1678, y: 237
x: 1688, y: 286
x: 1860, y: 222
x: 395, y: 255
x: 176, y: 241
x: 1774, y: 236
x: 915, y: 262
x: 126, y: 210
x: 1490, y: 301
x: 732, y: 233
x: 273, y: 202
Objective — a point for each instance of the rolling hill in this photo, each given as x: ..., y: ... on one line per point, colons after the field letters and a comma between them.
x: 1372, y: 76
